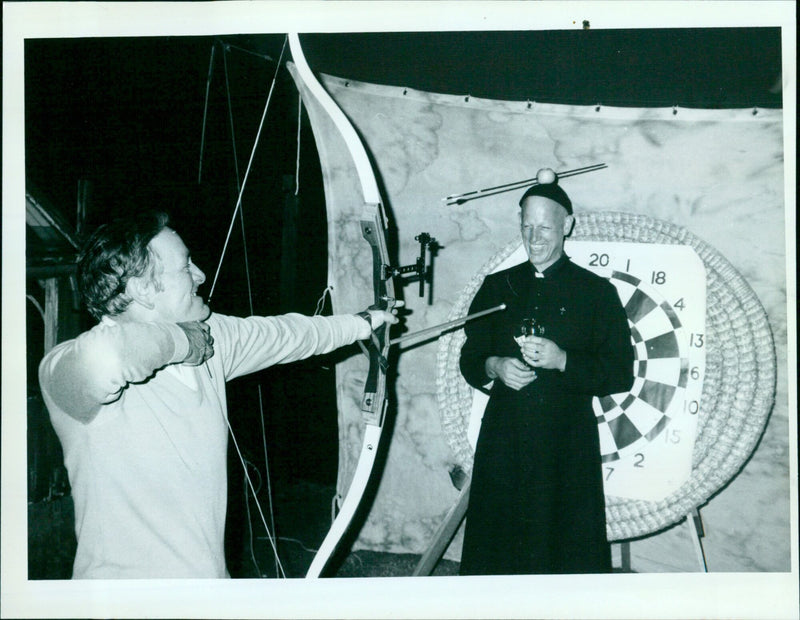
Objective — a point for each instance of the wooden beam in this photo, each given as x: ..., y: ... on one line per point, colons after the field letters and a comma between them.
x: 50, y: 313
x: 444, y: 534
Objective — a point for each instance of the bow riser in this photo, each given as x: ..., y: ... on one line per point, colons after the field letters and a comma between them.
x: 373, y: 403
x: 373, y: 227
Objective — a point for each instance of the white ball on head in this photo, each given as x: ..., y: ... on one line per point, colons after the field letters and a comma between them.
x: 545, y: 176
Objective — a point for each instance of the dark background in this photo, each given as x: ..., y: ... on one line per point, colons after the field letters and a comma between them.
x: 129, y: 117
x: 128, y: 113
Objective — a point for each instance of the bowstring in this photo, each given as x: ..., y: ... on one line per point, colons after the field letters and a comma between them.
x: 238, y: 210
x: 249, y: 480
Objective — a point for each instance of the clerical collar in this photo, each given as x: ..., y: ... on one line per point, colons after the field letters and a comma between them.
x: 552, y: 269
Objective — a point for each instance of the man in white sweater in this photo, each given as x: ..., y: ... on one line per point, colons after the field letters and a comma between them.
x: 139, y: 402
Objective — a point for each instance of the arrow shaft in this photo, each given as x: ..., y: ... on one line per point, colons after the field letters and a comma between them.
x: 506, y: 187
x: 443, y: 326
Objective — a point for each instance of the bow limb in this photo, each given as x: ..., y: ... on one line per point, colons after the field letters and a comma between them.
x: 373, y: 228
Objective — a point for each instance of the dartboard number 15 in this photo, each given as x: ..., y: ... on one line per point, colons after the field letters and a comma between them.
x: 647, y: 435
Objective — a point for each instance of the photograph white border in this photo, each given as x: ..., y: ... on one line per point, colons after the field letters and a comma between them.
x: 772, y: 595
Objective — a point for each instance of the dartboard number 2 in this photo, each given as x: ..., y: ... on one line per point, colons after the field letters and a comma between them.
x: 696, y: 340
x: 638, y: 462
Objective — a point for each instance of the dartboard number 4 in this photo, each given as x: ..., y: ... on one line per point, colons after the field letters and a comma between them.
x: 647, y: 435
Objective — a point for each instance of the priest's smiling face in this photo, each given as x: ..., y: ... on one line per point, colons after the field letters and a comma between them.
x: 544, y: 224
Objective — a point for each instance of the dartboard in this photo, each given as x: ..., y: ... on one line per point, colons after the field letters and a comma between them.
x: 647, y: 434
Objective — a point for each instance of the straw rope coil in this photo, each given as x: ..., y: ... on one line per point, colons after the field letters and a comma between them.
x: 738, y: 387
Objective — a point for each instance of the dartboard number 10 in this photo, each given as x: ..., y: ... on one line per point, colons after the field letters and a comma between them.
x: 647, y: 435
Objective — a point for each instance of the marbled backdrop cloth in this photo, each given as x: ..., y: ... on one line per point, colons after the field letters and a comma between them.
x: 716, y: 173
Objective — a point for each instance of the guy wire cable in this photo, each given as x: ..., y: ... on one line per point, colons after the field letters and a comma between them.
x: 271, y: 533
x: 247, y: 173
x: 205, y: 114
x: 237, y: 210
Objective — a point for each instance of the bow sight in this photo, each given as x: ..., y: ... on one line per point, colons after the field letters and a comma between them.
x: 422, y: 272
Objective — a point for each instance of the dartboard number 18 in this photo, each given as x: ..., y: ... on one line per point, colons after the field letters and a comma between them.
x: 647, y: 435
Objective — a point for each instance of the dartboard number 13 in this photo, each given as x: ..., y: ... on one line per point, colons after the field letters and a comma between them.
x: 647, y: 435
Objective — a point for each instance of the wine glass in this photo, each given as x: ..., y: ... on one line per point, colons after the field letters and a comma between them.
x: 528, y: 327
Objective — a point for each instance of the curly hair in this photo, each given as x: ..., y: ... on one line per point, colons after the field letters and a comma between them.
x: 115, y: 253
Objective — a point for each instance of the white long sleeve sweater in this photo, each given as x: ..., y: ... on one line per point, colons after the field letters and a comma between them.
x: 145, y: 438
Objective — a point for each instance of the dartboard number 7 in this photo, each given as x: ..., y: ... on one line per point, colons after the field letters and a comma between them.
x: 647, y: 435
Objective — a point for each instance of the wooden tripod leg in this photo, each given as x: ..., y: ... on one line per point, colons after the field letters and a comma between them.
x: 444, y: 534
x: 695, y: 526
x: 625, y: 552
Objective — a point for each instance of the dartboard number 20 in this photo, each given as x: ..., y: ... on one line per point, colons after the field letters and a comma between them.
x: 647, y: 435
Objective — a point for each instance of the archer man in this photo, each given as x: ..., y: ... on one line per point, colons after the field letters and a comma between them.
x: 138, y: 401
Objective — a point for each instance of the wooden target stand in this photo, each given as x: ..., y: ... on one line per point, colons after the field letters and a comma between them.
x: 455, y: 516
x: 444, y: 535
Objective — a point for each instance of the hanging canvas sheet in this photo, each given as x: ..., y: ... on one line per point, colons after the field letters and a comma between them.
x: 709, y: 181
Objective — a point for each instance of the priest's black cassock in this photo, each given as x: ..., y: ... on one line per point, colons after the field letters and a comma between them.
x: 536, y: 503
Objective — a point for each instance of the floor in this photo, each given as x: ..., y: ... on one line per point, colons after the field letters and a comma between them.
x: 302, y: 518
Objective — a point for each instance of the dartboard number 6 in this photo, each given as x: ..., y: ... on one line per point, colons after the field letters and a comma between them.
x: 647, y: 435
